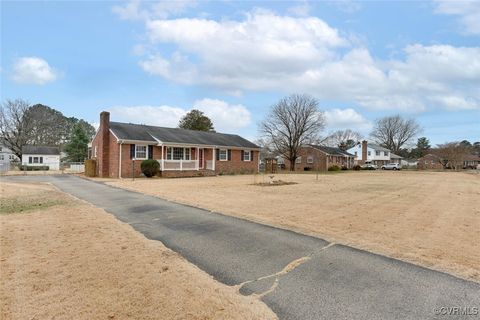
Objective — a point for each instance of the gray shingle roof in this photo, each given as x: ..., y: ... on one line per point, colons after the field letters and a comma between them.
x: 40, y: 150
x: 140, y: 132
x: 332, y: 151
x: 377, y: 147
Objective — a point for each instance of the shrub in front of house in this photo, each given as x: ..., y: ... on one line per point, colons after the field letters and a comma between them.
x: 357, y: 167
x: 34, y: 168
x: 150, y: 167
x: 344, y: 168
x: 334, y: 168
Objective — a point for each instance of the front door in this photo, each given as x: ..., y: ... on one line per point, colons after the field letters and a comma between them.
x: 200, y: 158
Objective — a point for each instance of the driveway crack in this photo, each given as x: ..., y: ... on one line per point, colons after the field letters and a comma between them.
x: 289, y: 267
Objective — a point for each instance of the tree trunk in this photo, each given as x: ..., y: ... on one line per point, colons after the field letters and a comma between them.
x: 292, y: 165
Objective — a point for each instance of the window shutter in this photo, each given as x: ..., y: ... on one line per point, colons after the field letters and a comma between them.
x: 242, y: 153
x: 217, y: 153
x: 150, y: 152
x: 229, y: 154
x: 251, y: 155
x: 132, y: 151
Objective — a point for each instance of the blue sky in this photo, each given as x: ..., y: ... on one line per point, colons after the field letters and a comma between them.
x: 150, y: 62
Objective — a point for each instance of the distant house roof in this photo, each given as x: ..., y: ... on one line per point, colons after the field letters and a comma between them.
x: 152, y: 134
x: 40, y: 150
x: 332, y: 151
x: 377, y: 147
x: 429, y: 156
x: 471, y: 157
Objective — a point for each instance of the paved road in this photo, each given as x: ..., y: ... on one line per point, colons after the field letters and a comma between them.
x: 298, y: 276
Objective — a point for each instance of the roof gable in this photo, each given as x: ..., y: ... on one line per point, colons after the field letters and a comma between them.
x: 129, y: 131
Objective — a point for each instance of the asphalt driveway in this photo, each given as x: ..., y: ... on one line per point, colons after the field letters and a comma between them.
x: 298, y: 276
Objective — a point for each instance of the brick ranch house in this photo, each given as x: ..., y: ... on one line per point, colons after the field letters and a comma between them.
x: 315, y: 157
x: 119, y: 149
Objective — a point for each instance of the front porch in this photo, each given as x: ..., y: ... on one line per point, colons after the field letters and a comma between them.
x: 186, y: 158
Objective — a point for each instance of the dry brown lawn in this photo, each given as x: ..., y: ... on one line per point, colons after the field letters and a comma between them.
x: 428, y: 218
x: 61, y: 258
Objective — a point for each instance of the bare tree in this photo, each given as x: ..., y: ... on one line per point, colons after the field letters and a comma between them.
x: 293, y: 121
x: 453, y: 154
x: 393, y: 132
x: 15, y: 125
x: 343, y: 139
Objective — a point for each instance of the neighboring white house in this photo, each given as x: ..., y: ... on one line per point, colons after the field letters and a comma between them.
x: 41, y: 156
x: 6, y: 156
x: 373, y: 153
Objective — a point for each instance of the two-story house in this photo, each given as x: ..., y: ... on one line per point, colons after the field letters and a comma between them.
x: 373, y: 153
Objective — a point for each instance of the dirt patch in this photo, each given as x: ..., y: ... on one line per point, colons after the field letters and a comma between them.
x: 274, y: 183
x: 428, y: 218
x: 75, y: 261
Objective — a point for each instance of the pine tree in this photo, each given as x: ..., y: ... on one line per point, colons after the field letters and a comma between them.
x: 77, y: 147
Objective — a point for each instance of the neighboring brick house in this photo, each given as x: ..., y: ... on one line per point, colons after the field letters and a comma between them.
x: 320, y: 158
x: 430, y: 162
x: 471, y: 161
x: 119, y: 149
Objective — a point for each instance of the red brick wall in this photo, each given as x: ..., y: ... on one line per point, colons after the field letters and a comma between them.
x: 321, y: 161
x: 236, y: 165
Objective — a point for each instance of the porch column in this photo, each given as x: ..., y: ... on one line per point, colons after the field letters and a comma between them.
x: 197, y: 155
x: 161, y: 160
x: 214, y: 156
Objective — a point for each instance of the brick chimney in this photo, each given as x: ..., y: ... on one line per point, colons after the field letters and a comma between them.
x: 364, y: 150
x: 104, y: 144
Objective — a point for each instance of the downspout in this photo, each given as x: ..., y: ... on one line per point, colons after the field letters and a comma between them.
x: 120, y: 161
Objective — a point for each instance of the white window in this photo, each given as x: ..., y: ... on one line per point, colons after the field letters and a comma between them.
x: 377, y: 153
x: 385, y: 153
x: 30, y: 160
x: 2, y: 157
x: 309, y: 159
x: 11, y: 157
x: 178, y: 153
x: 369, y: 153
x: 299, y: 160
x: 246, y: 155
x: 140, y: 152
x: 35, y: 159
x: 223, y: 154
x: 356, y: 153
x: 95, y: 152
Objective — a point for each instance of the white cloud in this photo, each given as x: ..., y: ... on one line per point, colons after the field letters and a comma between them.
x: 300, y: 10
x: 340, y: 119
x: 225, y: 117
x: 467, y: 11
x: 33, y: 70
x: 164, y: 116
x: 138, y: 10
x: 265, y: 51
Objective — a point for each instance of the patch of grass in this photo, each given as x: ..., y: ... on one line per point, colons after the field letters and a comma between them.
x: 18, y: 205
